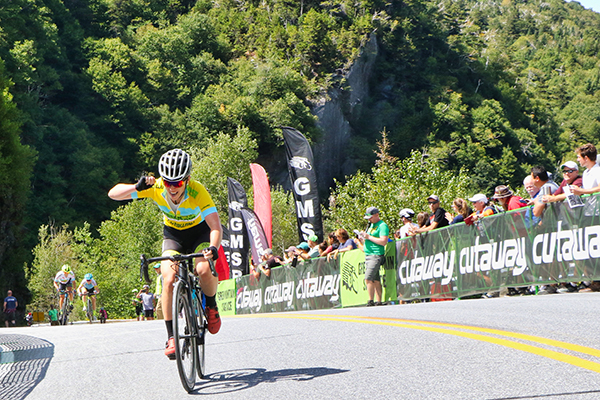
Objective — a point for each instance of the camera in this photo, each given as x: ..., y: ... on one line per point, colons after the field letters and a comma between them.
x: 356, y: 232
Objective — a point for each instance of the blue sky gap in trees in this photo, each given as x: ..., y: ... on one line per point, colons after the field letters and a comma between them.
x: 590, y: 4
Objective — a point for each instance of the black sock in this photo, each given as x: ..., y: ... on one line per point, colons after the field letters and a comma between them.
x: 169, y: 325
x: 211, y: 301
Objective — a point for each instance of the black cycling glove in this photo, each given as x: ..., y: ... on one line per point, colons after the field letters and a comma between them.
x: 142, y: 185
x: 214, y: 251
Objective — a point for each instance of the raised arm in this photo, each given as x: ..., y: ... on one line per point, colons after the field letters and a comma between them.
x: 122, y: 191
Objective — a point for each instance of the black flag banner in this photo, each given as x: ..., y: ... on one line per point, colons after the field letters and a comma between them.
x: 256, y: 234
x: 304, y: 184
x: 238, y: 238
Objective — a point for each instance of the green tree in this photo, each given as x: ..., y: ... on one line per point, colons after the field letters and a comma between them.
x: 285, y: 224
x: 114, y: 258
x: 51, y: 253
x: 16, y: 164
x: 313, y: 44
x: 225, y: 157
x: 391, y: 186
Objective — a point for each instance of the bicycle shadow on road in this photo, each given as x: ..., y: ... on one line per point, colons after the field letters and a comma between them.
x: 23, y: 364
x: 236, y: 380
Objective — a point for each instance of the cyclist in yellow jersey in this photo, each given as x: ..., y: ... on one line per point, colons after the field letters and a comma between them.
x: 190, y: 219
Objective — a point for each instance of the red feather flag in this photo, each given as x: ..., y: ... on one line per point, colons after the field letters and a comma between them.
x: 262, y: 199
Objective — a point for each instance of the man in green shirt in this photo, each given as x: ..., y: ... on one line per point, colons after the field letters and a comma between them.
x: 53, y: 315
x: 372, y: 242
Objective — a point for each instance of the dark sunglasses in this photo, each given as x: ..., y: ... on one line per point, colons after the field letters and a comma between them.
x: 432, y: 202
x: 177, y: 184
x: 568, y: 171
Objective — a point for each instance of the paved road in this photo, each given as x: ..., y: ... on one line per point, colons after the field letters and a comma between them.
x: 536, y: 347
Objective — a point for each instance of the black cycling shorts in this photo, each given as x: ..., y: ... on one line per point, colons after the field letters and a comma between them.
x: 186, y: 241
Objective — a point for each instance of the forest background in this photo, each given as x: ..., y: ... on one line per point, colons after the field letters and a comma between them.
x: 464, y: 95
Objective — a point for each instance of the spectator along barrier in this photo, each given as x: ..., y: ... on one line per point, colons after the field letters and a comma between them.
x: 504, y: 250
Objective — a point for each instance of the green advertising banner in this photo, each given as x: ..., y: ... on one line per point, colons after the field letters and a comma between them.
x: 226, y: 297
x: 388, y: 274
x: 505, y: 250
x: 313, y: 284
x: 352, y: 270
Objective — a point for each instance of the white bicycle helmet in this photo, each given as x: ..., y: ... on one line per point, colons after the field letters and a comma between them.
x: 175, y: 165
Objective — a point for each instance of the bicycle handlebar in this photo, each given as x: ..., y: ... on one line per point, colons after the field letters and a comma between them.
x: 144, y: 269
x: 175, y: 258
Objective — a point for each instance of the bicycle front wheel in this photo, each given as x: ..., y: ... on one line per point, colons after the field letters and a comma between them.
x: 64, y: 314
x: 90, y: 311
x: 184, y: 335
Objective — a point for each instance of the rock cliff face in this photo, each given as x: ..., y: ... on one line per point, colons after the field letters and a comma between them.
x: 334, y: 112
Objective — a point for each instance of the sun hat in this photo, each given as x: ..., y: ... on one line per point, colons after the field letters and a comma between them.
x: 502, y: 191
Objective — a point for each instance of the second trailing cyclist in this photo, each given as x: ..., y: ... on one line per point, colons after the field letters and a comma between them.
x: 190, y: 219
x: 88, y: 287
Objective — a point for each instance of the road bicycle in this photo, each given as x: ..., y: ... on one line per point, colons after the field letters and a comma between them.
x: 89, y: 312
x: 63, y: 318
x: 189, y: 317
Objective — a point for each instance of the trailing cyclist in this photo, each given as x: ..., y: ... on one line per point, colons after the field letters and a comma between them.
x: 91, y: 289
x: 63, y: 282
x: 190, y: 219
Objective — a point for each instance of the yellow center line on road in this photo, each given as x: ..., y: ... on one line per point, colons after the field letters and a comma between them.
x: 458, y: 330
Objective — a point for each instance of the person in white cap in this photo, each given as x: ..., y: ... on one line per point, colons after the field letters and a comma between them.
x: 481, y: 206
x: 571, y: 176
x: 406, y: 214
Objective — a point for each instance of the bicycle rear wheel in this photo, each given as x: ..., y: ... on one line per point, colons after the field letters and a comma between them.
x: 201, y: 321
x: 183, y: 333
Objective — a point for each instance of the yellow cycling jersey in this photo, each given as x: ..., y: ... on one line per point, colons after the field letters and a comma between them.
x: 193, y: 209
